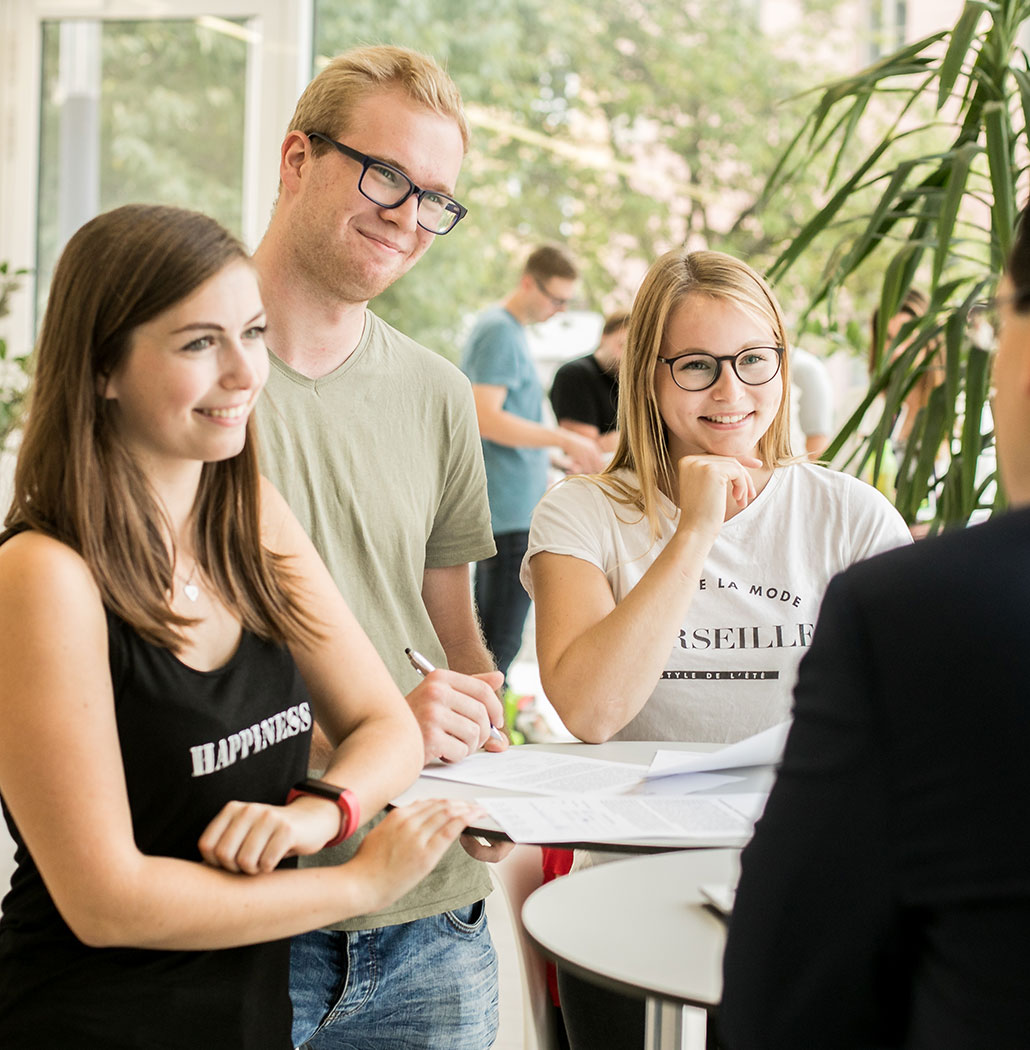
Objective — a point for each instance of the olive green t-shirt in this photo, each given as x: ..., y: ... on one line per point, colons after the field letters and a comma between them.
x: 382, y: 464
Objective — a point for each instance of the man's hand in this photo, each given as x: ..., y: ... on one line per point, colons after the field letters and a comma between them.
x: 584, y: 453
x: 455, y: 712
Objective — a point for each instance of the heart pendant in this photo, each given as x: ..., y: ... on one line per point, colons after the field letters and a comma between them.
x: 191, y: 590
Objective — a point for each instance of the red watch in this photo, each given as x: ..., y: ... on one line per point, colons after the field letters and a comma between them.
x: 344, y: 799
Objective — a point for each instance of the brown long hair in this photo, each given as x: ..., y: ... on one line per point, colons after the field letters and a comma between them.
x: 643, y: 439
x: 76, y: 481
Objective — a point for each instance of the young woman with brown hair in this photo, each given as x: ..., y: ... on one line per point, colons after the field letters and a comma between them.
x: 168, y: 635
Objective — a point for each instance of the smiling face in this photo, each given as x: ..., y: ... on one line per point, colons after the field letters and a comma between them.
x: 184, y: 391
x: 730, y: 417
x: 344, y: 244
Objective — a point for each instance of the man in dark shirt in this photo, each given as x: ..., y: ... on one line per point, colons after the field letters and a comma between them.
x: 585, y: 391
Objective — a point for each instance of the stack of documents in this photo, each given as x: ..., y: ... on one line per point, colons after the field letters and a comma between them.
x: 592, y: 800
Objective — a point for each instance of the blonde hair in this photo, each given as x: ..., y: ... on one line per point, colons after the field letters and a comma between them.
x: 643, y: 441
x: 327, y: 102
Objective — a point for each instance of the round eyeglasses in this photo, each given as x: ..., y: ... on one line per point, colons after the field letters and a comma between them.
x: 753, y: 367
x: 389, y: 187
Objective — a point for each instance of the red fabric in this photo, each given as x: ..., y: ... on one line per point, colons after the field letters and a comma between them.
x: 556, y: 862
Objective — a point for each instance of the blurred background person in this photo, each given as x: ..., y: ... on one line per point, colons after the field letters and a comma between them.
x: 812, y: 403
x: 913, y: 306
x: 509, y: 407
x: 930, y: 360
x: 585, y: 390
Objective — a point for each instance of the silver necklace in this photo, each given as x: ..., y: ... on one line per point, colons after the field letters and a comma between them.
x: 189, y: 588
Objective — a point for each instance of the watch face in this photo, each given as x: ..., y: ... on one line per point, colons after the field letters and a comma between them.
x: 321, y: 788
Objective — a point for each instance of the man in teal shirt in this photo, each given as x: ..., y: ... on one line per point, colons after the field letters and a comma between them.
x: 509, y: 407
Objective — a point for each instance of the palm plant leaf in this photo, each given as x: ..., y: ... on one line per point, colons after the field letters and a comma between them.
x: 945, y: 201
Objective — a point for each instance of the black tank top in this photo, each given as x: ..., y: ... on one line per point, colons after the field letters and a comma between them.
x: 191, y: 741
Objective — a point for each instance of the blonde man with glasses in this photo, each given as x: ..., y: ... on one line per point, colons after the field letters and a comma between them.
x: 372, y: 439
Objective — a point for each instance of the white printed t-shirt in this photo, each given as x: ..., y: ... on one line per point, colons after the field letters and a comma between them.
x: 732, y: 669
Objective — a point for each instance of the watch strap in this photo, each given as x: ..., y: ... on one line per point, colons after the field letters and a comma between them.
x: 345, y: 799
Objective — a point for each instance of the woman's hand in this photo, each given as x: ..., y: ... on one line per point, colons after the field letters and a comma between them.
x: 399, y: 852
x: 709, y: 487
x: 251, y: 837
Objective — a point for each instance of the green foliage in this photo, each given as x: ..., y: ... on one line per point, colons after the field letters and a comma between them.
x: 14, y: 368
x: 931, y: 203
x: 621, y: 128
x: 172, y: 124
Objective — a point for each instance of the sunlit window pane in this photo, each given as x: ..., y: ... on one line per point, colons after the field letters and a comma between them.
x: 138, y: 111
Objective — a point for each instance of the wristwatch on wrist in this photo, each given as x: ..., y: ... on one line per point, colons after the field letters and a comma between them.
x: 344, y: 799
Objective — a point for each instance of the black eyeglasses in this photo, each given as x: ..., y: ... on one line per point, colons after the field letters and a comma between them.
x: 753, y: 367
x: 558, y: 304
x: 389, y: 187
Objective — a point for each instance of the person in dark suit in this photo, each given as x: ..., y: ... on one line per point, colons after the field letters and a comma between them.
x: 885, y: 896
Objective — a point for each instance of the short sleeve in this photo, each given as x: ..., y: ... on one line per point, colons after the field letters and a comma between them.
x: 461, y: 530
x: 493, y: 356
x: 874, y: 524
x: 570, y: 519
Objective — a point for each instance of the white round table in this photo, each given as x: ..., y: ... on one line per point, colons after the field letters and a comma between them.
x: 640, y: 926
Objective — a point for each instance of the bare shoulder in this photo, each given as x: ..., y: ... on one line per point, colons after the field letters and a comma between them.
x: 34, y: 566
x: 49, y: 603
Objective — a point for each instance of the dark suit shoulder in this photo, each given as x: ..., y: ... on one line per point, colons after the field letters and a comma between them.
x: 996, y: 551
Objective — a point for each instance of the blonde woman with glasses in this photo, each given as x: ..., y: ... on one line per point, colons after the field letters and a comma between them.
x: 677, y: 591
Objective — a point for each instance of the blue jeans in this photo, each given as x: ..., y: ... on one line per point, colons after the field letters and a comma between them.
x: 501, y: 599
x: 430, y: 984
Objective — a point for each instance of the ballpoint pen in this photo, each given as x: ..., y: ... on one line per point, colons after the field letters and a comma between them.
x: 424, y: 667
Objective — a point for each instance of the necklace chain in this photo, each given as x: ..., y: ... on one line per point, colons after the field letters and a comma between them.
x: 189, y: 588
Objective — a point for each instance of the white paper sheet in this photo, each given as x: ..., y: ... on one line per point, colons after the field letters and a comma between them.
x: 540, y: 773
x: 749, y: 804
x: 681, y: 784
x: 618, y: 819
x: 762, y: 749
